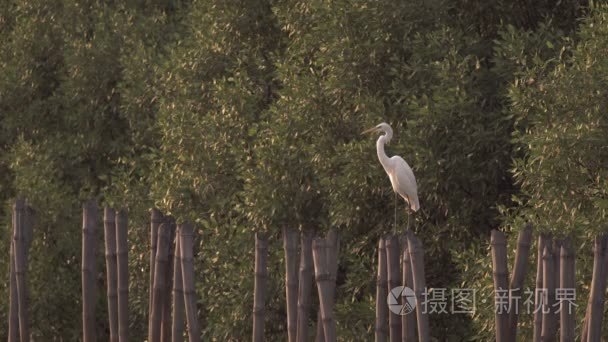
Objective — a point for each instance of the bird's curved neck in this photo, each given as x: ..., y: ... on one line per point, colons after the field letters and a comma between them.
x: 384, y: 160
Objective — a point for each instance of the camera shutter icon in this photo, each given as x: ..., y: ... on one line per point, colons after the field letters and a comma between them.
x: 408, y: 303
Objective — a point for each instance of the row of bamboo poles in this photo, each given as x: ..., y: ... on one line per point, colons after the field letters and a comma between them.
x: 555, y: 269
x: 22, y: 223
x: 172, y: 293
x: 400, y: 263
x: 116, y: 253
x: 115, y: 231
x: 172, y: 288
x: 318, y: 263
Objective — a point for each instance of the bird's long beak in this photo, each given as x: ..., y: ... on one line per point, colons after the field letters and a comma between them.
x: 371, y: 130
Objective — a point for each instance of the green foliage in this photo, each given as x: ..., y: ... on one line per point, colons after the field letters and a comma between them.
x: 244, y: 116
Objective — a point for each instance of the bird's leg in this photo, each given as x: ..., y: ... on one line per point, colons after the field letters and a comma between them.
x: 395, y: 226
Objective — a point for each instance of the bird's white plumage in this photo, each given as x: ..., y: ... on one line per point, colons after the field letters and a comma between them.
x: 399, y: 172
x: 404, y: 182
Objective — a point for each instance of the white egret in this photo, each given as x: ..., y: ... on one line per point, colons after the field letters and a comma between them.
x: 398, y: 171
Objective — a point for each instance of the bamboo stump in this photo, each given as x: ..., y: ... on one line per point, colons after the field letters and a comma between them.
x: 177, y: 329
x: 261, y: 275
x: 186, y: 243
x: 567, y: 281
x: 499, y: 265
x: 28, y: 234
x: 598, y: 288
x: 538, y: 317
x: 20, y: 243
x: 89, y: 294
x: 155, y: 221
x: 109, y: 225
x: 555, y: 250
x: 520, y: 269
x: 290, y: 246
x: 305, y: 286
x: 333, y: 246
x: 160, y: 268
x: 324, y: 286
x: 333, y: 249
x: 417, y: 259
x: 408, y: 321
x: 548, y: 330
x: 122, y: 250
x: 165, y: 325
x: 394, y: 280
x: 381, y: 330
x: 13, y: 326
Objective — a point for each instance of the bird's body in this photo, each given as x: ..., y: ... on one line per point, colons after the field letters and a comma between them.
x: 404, y: 182
x: 399, y: 172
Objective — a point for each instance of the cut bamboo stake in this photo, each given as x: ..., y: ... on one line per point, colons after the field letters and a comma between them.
x: 122, y: 251
x: 111, y: 271
x: 333, y: 249
x: 177, y: 331
x: 19, y: 245
x: 22, y: 231
x: 162, y: 251
x: 320, y: 336
x: 417, y: 259
x: 538, y: 320
x: 165, y: 325
x: 305, y: 286
x: 501, y: 284
x: 408, y: 321
x: 290, y: 247
x: 13, y: 327
x: 394, y: 280
x: 25, y: 222
x: 598, y: 287
x: 333, y: 246
x: 259, y: 298
x: 567, y: 282
x: 155, y: 220
x: 28, y: 236
x: 548, y: 330
x: 324, y: 286
x: 186, y: 243
x: 555, y: 249
x: 89, y: 294
x: 381, y: 294
x: 524, y: 240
